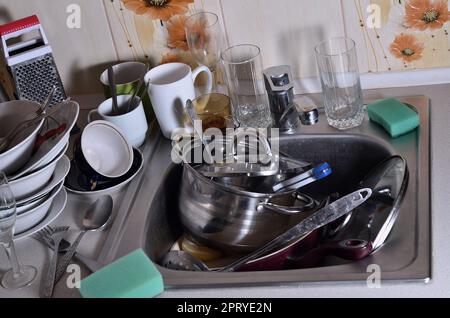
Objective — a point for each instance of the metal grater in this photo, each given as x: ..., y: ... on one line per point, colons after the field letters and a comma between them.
x: 30, y: 62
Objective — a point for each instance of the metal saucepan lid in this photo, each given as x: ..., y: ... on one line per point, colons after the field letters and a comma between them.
x: 374, y: 220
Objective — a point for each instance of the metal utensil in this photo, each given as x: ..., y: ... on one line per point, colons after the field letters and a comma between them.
x: 138, y: 89
x: 56, y: 235
x: 319, y: 219
x: 179, y: 260
x: 297, y: 182
x: 112, y: 86
x: 5, y: 141
x: 48, y: 100
x: 64, y: 246
x: 97, y: 217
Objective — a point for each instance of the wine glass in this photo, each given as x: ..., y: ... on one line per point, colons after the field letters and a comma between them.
x: 18, y: 276
x: 206, y: 40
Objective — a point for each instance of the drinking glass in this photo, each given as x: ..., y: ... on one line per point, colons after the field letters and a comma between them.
x: 339, y: 74
x: 18, y: 276
x: 206, y: 41
x: 214, y: 110
x: 243, y: 72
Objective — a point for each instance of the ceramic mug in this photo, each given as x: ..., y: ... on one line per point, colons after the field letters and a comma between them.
x: 132, y: 123
x: 127, y: 76
x: 169, y: 87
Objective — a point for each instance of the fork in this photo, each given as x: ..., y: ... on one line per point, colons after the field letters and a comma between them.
x: 56, y: 235
x: 39, y: 113
x: 64, y: 246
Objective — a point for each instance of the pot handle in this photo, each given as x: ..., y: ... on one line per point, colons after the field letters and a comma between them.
x: 309, y: 203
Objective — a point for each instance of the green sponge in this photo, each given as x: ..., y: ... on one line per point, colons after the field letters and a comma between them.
x: 394, y: 116
x: 132, y: 276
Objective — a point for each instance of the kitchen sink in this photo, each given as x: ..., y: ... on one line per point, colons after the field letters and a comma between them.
x: 151, y: 220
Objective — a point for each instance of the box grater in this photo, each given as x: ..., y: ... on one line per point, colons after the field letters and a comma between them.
x: 30, y: 61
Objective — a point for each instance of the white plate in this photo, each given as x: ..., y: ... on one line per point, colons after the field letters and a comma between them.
x: 58, y: 205
x: 27, y: 185
x: 60, y: 173
x: 59, y: 156
x: 52, y: 147
x: 31, y: 205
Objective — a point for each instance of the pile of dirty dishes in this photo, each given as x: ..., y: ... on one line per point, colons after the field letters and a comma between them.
x: 34, y: 161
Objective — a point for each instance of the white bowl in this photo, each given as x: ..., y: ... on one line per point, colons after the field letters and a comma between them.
x: 59, y: 174
x: 31, y: 204
x: 68, y: 114
x: 56, y: 208
x: 27, y: 185
x: 27, y: 220
x: 11, y: 114
x: 106, y: 149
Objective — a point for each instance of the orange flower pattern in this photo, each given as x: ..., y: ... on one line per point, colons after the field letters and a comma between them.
x: 176, y: 33
x: 158, y: 9
x: 171, y: 58
x: 426, y: 14
x: 407, y: 48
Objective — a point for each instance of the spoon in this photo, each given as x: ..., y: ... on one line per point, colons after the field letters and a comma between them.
x: 138, y: 89
x: 96, y: 218
x: 112, y: 86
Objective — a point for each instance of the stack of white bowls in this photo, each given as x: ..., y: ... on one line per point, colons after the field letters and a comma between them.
x: 35, y: 172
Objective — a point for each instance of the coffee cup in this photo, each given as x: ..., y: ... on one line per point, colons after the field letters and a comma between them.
x: 169, y: 87
x: 131, y: 121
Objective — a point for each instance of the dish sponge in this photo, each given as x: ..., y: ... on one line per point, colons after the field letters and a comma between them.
x: 395, y: 117
x: 132, y: 276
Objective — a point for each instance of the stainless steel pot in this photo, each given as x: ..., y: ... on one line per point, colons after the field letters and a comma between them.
x: 232, y: 219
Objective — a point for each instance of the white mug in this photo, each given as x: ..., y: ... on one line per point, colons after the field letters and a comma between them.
x: 132, y: 123
x: 170, y: 86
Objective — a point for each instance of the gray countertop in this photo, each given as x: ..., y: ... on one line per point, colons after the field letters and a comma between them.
x: 31, y: 252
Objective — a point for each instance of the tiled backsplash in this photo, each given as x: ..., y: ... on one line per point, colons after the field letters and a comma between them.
x: 411, y: 33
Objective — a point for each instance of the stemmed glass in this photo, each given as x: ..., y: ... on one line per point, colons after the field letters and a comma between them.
x: 18, y: 276
x: 206, y: 41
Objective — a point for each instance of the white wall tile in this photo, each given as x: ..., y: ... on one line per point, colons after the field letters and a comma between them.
x: 286, y: 30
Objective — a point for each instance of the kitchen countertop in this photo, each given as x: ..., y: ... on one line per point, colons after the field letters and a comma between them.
x: 32, y: 252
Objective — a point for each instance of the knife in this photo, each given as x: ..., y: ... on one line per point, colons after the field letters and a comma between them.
x: 320, y: 218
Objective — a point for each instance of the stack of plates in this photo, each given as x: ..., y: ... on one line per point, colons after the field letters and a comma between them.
x: 38, y: 184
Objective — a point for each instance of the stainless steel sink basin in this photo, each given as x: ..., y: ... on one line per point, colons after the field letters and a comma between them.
x: 152, y: 220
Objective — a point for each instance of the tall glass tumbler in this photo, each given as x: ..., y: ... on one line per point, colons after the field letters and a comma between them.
x: 341, y: 86
x: 243, y: 70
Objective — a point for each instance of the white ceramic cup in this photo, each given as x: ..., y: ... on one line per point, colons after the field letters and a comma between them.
x: 106, y: 149
x: 132, y: 123
x: 170, y: 86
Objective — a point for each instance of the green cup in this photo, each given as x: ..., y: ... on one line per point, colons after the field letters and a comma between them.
x: 127, y: 76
